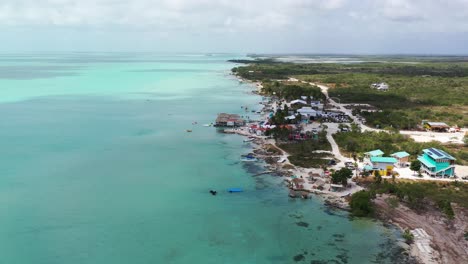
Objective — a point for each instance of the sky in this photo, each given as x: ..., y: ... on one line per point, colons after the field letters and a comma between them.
x: 241, y: 26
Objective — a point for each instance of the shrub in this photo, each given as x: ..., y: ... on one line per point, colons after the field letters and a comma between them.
x: 409, y: 238
x: 361, y: 204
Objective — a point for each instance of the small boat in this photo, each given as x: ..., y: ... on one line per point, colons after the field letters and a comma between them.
x: 235, y: 190
x: 189, y: 130
x: 248, y: 140
x: 208, y: 125
x: 250, y: 155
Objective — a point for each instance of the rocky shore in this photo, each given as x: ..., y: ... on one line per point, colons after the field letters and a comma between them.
x: 436, y: 240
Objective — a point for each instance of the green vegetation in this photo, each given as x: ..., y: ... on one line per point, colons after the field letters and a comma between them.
x: 341, y: 176
x: 415, y: 165
x: 378, y: 177
x: 291, y: 91
x: 409, y: 100
x: 418, y: 195
x: 357, y: 142
x: 446, y: 207
x: 302, y: 152
x: 269, y: 69
x: 435, y: 89
x: 361, y: 204
x: 408, y: 236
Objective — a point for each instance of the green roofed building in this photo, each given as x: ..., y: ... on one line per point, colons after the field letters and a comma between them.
x: 437, y: 163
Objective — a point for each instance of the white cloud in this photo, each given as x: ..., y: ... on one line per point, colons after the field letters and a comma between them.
x: 210, y: 14
x: 286, y: 23
x: 167, y: 13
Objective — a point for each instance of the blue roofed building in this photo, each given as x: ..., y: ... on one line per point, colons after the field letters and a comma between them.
x: 437, y: 163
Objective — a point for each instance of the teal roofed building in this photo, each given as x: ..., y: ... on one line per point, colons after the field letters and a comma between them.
x: 374, y: 153
x: 402, y: 157
x: 384, y: 165
x: 437, y: 163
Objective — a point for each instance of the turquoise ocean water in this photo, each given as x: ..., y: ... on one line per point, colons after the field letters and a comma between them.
x: 96, y: 166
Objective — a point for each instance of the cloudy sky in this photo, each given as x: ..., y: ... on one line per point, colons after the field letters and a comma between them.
x: 263, y: 26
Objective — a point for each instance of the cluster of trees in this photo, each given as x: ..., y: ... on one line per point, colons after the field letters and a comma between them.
x: 361, y: 204
x: 341, y: 176
x: 417, y: 195
x: 260, y: 69
x: 292, y: 91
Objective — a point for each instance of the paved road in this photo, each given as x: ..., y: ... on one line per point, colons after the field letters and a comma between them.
x: 343, y: 109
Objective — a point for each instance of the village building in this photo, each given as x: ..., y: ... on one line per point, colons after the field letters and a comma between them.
x: 337, y: 187
x: 374, y: 153
x: 435, y: 126
x: 316, y: 105
x: 402, y: 158
x: 384, y: 165
x: 437, y: 163
x: 298, y: 102
x: 380, y: 86
x: 307, y: 112
x: 229, y: 120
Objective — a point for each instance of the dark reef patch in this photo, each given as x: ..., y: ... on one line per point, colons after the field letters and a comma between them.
x: 302, y: 224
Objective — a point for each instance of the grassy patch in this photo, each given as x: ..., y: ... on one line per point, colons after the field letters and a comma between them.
x: 302, y: 153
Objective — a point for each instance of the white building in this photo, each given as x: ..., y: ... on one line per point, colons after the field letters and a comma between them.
x: 380, y: 86
x: 317, y: 104
x: 298, y: 101
x: 307, y: 111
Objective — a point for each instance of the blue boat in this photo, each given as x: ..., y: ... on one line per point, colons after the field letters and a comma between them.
x: 235, y: 190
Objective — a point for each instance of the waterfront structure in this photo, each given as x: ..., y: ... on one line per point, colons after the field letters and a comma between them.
x: 437, y: 163
x: 384, y: 165
x: 229, y: 120
x: 374, y: 153
x: 402, y: 158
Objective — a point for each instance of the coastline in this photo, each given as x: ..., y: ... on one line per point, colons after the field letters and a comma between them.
x: 262, y: 146
x: 432, y: 249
